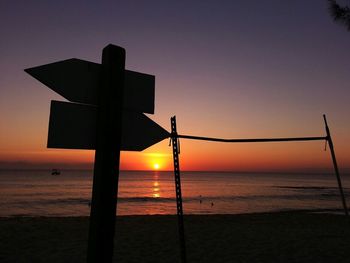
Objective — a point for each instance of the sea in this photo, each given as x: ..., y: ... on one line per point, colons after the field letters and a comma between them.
x: 39, y: 193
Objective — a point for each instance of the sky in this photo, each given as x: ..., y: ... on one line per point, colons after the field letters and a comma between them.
x: 226, y: 69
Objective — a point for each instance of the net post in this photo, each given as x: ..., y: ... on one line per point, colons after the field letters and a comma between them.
x: 176, y: 151
x: 335, y: 165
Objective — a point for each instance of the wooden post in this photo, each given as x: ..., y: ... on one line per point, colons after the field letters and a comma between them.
x: 107, y: 156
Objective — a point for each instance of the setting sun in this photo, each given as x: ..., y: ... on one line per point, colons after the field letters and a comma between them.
x: 156, y: 166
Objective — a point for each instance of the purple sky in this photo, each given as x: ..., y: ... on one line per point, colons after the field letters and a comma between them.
x: 225, y: 68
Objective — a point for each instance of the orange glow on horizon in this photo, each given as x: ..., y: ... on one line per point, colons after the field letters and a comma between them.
x: 194, y: 156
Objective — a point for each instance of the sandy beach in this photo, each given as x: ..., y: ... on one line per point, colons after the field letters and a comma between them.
x: 268, y: 237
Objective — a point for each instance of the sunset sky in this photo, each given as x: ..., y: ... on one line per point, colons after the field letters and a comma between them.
x: 227, y: 69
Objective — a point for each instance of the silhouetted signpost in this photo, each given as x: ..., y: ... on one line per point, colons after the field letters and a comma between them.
x: 107, y: 116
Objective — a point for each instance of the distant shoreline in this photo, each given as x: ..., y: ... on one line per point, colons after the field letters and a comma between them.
x: 291, y: 211
x: 344, y: 172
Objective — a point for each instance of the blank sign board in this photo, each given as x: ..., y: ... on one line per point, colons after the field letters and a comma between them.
x: 73, y: 126
x: 78, y: 81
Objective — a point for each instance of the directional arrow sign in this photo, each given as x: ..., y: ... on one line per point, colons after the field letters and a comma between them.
x: 78, y: 81
x: 73, y: 126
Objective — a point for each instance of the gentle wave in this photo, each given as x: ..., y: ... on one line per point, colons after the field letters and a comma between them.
x: 209, y: 199
x: 307, y: 187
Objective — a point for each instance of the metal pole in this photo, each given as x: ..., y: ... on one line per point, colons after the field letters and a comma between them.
x: 107, y: 156
x: 331, y: 147
x: 174, y: 139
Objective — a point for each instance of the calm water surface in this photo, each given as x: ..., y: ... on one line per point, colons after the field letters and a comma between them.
x: 38, y: 193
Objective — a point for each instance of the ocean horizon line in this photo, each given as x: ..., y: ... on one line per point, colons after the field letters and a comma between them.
x: 326, y: 171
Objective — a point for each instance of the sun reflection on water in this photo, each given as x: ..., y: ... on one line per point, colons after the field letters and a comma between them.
x: 156, y: 186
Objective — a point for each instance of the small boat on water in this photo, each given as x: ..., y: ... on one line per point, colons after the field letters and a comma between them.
x: 55, y: 172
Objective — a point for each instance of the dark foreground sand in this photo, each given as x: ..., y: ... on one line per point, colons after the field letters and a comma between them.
x: 274, y: 237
